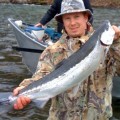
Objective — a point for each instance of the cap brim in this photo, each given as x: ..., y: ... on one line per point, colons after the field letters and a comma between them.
x: 58, y: 17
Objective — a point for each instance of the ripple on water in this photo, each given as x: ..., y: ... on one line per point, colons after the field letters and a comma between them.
x: 6, y: 86
x: 2, y: 57
x: 31, y: 112
x: 12, y: 68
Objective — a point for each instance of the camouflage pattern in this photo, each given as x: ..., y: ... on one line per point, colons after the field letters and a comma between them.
x: 72, y: 6
x: 90, y: 100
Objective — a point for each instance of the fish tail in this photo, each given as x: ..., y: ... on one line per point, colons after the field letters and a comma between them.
x: 5, y: 104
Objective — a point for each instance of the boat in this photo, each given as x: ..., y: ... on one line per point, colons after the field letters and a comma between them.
x: 29, y: 44
x: 31, y: 48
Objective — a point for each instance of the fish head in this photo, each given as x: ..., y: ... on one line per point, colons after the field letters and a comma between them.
x: 108, y: 35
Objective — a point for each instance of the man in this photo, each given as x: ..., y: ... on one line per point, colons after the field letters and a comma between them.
x: 55, y: 9
x: 90, y: 100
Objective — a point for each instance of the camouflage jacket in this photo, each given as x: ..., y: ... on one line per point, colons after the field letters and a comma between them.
x: 90, y: 100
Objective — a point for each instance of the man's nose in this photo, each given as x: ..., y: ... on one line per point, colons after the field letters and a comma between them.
x: 72, y: 21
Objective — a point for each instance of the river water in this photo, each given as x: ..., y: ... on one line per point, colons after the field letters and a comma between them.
x: 13, y: 71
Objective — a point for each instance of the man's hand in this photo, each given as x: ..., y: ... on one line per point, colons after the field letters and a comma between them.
x: 22, y: 101
x: 117, y: 32
x: 38, y: 25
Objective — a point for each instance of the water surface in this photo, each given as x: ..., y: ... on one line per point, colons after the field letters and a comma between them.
x: 13, y: 71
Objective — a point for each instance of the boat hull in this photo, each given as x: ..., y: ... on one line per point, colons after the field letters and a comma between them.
x: 24, y: 40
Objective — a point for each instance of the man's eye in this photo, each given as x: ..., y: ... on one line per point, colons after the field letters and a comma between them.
x: 67, y: 18
x: 77, y: 16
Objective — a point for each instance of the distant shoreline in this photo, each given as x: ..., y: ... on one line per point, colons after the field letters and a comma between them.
x: 106, y: 3
x: 94, y: 3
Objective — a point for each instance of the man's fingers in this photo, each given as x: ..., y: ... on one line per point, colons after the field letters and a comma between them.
x: 28, y: 100
x: 38, y: 25
x: 21, y: 102
x: 18, y: 104
x: 16, y: 107
x: 25, y: 100
x: 117, y: 32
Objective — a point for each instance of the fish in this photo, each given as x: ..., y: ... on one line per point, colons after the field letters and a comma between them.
x: 70, y: 72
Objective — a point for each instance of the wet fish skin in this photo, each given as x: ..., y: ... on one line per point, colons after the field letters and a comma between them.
x: 71, y: 71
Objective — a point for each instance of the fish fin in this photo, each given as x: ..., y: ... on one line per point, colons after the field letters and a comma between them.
x: 5, y: 106
x: 40, y: 103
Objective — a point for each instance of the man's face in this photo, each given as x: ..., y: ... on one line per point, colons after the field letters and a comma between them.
x: 75, y: 24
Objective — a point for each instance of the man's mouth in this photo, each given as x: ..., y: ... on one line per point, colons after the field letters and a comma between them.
x: 74, y: 29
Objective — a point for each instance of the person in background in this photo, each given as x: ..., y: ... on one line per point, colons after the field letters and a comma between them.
x: 55, y: 9
x: 90, y: 100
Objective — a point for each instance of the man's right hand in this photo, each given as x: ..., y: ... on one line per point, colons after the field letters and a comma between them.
x: 21, y: 101
x: 38, y: 25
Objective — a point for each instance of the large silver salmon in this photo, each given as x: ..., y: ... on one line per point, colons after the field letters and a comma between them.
x: 69, y: 72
